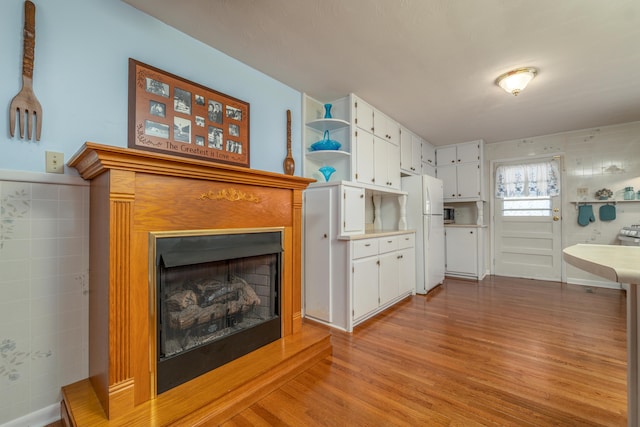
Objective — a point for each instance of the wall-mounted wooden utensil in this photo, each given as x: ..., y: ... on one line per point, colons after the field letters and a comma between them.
x: 288, y: 164
x: 25, y: 106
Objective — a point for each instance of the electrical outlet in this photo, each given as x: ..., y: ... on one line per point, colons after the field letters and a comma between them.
x: 54, y: 162
x: 583, y: 192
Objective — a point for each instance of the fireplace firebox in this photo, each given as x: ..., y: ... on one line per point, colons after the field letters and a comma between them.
x: 216, y: 299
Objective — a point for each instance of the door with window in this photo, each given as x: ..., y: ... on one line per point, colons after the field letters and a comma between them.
x: 527, y: 221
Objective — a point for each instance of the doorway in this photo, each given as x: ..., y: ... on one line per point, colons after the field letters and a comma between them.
x: 527, y: 232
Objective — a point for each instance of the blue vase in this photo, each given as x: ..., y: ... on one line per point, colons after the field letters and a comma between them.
x: 327, y: 111
x: 327, y: 171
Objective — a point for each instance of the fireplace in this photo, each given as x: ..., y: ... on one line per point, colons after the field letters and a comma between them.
x: 217, y: 299
x: 136, y: 194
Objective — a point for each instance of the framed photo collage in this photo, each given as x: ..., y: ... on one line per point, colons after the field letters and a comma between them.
x: 175, y: 116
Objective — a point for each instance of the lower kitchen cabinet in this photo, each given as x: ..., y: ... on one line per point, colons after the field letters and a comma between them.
x: 464, y: 251
x: 382, y: 273
x: 349, y: 279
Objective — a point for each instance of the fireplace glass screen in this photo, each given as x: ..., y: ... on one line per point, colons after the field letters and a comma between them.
x: 217, y: 299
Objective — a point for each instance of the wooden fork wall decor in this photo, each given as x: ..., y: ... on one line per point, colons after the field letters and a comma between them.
x: 25, y: 107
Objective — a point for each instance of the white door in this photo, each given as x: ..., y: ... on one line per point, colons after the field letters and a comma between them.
x: 527, y: 236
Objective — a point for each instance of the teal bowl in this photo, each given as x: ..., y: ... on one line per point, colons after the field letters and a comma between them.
x: 325, y: 143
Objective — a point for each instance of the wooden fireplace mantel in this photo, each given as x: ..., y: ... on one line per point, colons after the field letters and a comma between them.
x: 133, y: 193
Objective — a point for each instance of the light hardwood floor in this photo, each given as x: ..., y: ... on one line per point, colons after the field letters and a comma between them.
x: 503, y: 352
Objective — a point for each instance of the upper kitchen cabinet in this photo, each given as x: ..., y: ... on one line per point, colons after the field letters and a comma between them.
x: 428, y: 159
x: 410, y: 152
x: 370, y: 119
x: 377, y: 161
x: 317, y: 127
x: 460, y: 168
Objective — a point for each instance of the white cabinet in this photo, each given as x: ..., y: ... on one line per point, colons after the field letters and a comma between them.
x: 460, y: 168
x: 386, y: 128
x: 352, y: 211
x: 407, y: 264
x: 428, y: 159
x: 464, y: 250
x: 382, y: 273
x: 377, y: 161
x: 410, y: 153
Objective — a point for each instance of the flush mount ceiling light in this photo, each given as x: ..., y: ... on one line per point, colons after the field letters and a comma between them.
x: 516, y: 80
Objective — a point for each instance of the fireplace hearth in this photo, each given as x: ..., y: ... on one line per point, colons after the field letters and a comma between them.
x: 217, y: 298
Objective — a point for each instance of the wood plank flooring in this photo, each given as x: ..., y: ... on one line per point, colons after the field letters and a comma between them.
x: 501, y: 352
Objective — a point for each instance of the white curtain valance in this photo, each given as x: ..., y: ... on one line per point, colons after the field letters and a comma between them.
x: 527, y: 180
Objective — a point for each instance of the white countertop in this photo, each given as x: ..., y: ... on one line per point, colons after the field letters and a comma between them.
x: 465, y: 226
x: 617, y: 263
x: 372, y: 234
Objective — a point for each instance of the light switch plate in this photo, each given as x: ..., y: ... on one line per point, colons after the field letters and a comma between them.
x: 54, y: 162
x: 583, y: 192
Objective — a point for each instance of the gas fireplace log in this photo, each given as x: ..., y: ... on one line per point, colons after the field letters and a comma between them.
x: 181, y: 300
x: 184, y: 311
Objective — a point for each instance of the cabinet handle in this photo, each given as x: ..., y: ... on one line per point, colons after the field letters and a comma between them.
x: 362, y: 196
x: 399, y: 256
x: 453, y: 161
x: 471, y: 232
x: 324, y: 235
x: 367, y: 244
x: 459, y: 195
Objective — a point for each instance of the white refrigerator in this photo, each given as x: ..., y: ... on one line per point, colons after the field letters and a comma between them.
x: 424, y: 214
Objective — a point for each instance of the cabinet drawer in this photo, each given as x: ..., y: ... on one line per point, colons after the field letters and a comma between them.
x: 407, y: 241
x: 365, y: 248
x: 389, y: 244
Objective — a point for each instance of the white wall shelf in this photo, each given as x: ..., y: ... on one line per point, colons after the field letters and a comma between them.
x: 594, y: 201
x: 328, y: 124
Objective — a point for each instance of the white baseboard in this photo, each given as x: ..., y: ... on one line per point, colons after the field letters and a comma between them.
x: 39, y: 418
x: 594, y: 283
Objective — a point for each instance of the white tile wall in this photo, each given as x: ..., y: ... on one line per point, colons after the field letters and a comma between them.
x: 44, y: 241
x: 606, y: 157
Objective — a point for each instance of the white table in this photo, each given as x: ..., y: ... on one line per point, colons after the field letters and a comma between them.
x: 619, y: 264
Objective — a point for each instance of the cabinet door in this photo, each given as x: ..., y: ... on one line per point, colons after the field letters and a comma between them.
x: 428, y: 153
x: 446, y: 155
x: 364, y: 116
x: 468, y: 180
x: 389, y: 276
x: 392, y: 131
x: 352, y: 210
x: 317, y: 253
x: 428, y: 169
x: 410, y: 152
x: 393, y: 166
x: 381, y: 160
x: 406, y: 151
x: 461, y: 250
x: 407, y: 268
x: 365, y: 158
x: 365, y: 286
x: 468, y: 152
x: 448, y: 175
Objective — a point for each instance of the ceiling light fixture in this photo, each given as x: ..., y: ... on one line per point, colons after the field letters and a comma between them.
x: 516, y: 80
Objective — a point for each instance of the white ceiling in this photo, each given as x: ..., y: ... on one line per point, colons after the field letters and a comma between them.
x: 431, y: 64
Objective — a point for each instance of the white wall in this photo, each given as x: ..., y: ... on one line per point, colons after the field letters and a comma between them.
x: 81, y: 78
x: 590, y: 160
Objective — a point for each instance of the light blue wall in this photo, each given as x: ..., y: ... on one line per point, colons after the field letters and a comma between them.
x: 81, y: 80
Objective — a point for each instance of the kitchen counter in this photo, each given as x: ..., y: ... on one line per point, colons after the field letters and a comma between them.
x: 379, y: 233
x: 465, y: 226
x: 619, y: 264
